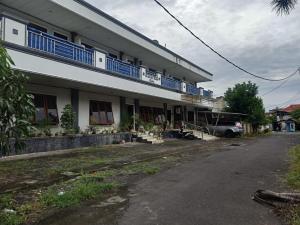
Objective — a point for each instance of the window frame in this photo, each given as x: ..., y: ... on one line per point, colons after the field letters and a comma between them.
x: 108, y: 109
x: 45, y: 99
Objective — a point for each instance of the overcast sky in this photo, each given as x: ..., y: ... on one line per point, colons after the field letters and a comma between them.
x: 248, y: 32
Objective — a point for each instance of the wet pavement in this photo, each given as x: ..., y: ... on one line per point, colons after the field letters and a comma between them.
x: 215, y: 190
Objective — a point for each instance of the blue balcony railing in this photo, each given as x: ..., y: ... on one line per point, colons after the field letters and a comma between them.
x: 170, y: 83
x: 122, y: 68
x: 207, y: 94
x: 192, y: 89
x: 56, y: 46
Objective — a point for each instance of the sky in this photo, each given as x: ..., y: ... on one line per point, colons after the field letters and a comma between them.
x: 247, y: 32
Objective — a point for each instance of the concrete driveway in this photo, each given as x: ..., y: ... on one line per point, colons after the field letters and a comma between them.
x: 215, y: 190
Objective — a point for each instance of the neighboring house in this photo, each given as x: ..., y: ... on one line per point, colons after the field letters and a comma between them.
x: 76, y: 54
x: 284, y: 121
x: 219, y: 104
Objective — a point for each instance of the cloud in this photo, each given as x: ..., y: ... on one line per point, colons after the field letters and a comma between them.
x: 248, y: 32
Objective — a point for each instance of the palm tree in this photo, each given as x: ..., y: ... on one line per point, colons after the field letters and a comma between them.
x: 283, y: 6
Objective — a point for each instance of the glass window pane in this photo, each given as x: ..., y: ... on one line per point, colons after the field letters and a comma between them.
x: 110, y: 118
x: 103, y: 119
x: 40, y: 115
x: 51, y: 102
x: 38, y: 101
x: 94, y: 114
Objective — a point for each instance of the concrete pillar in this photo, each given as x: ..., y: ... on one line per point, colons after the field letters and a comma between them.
x: 166, y: 110
x: 195, y: 116
x: 75, y: 105
x: 184, y: 116
x: 136, y: 113
x: 137, y: 107
x: 123, y: 110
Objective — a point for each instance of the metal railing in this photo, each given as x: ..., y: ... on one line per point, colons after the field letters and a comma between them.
x: 48, y: 43
x: 122, y: 68
x: 56, y: 46
x: 170, y: 83
x: 207, y: 94
x: 192, y: 89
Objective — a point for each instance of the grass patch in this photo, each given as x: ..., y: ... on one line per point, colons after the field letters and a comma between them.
x: 145, y: 168
x: 87, y: 187
x: 293, y: 176
x: 11, y: 219
x: 293, y: 179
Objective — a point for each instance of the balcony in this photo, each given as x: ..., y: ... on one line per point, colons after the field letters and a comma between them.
x: 192, y: 89
x: 56, y: 46
x: 124, y: 69
x: 170, y: 83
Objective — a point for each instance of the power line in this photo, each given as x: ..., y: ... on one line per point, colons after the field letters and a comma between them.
x: 280, y: 85
x: 215, y: 51
x: 290, y: 99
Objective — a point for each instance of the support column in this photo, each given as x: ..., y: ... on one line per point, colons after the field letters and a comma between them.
x: 136, y: 113
x: 75, y: 105
x: 166, y: 110
x: 184, y: 111
x: 123, y: 110
x: 195, y: 116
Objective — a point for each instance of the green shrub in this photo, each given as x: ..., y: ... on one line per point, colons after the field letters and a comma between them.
x: 68, y: 119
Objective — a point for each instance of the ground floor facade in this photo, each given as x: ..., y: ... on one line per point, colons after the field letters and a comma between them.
x: 105, y: 110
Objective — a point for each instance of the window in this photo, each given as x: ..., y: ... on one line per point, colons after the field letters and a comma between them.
x: 46, y: 109
x: 37, y: 27
x: 153, y: 115
x: 101, y: 113
x: 61, y: 36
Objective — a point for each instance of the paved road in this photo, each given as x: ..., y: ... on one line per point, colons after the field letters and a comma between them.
x: 215, y: 190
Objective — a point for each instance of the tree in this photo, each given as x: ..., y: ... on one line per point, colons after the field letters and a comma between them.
x: 296, y: 115
x: 243, y: 99
x: 283, y: 6
x: 16, y: 105
x: 68, y: 118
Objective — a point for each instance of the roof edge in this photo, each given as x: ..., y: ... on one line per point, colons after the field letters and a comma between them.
x: 112, y: 19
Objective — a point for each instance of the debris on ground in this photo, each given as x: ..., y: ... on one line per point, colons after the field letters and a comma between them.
x: 275, y: 199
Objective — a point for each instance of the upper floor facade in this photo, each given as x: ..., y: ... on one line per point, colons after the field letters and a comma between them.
x: 75, y: 41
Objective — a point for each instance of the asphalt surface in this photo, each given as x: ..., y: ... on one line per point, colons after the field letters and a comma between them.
x: 215, y: 190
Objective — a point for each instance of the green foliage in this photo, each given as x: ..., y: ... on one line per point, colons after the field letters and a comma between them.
x: 6, y: 202
x: 80, y: 190
x: 16, y: 105
x: 68, y: 119
x: 126, y: 123
x: 293, y: 176
x: 296, y: 115
x: 243, y: 99
x: 11, y: 219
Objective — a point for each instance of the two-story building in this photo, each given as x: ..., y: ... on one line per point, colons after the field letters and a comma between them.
x: 76, y: 54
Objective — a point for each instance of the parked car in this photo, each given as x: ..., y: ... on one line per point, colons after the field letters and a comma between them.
x: 225, y: 129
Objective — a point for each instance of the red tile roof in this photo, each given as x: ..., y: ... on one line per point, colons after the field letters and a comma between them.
x: 292, y: 108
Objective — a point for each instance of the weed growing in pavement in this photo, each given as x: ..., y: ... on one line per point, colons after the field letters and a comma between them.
x: 86, y: 187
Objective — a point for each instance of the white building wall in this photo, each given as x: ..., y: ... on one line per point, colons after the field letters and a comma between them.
x: 84, y: 108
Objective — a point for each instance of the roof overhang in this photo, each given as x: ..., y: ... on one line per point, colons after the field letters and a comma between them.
x: 80, y: 17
